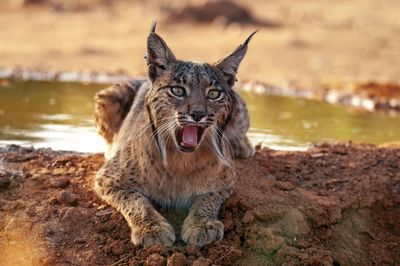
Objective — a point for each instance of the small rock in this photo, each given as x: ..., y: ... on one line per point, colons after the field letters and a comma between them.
x: 248, y: 217
x: 4, y: 182
x: 191, y: 249
x: 36, y: 177
x: 74, y: 215
x: 30, y: 211
x: 284, y: 185
x: 235, y: 211
x: 228, y: 223
x: 117, y: 248
x: 231, y: 235
x: 134, y: 262
x: 243, y: 205
x: 58, y: 171
x: 233, y: 201
x: 81, y: 240
x: 155, y: 260
x: 271, y: 177
x: 59, y: 183
x: 44, y: 171
x: 106, y: 212
x: 316, y: 155
x: 202, y: 262
x: 68, y: 198
x: 155, y: 249
x: 71, y: 170
x: 177, y: 259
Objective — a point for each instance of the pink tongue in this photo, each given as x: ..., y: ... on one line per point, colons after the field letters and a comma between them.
x: 189, y: 137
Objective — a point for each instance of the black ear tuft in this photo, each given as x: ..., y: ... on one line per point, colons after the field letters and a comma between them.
x: 159, y: 56
x: 246, y: 42
x: 153, y: 27
x: 230, y: 64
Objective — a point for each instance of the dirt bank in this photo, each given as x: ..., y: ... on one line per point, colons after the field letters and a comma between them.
x: 332, y: 205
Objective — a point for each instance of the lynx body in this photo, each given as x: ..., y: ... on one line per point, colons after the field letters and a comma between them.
x: 171, y: 141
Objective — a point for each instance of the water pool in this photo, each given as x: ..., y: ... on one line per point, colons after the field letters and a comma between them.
x: 59, y: 115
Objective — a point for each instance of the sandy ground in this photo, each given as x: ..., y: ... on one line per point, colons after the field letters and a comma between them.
x: 332, y: 205
x: 317, y: 41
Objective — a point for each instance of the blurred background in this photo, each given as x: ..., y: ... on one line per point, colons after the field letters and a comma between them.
x: 307, y: 43
x: 304, y: 40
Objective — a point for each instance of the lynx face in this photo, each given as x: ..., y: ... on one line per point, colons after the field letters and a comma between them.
x: 189, y: 102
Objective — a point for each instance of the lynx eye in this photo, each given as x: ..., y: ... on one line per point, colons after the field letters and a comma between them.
x: 177, y: 91
x: 214, y: 95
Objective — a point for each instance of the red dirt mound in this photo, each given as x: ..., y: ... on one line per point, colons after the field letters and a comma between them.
x: 332, y: 205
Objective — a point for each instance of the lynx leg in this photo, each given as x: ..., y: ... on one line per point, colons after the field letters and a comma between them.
x: 242, y: 147
x: 201, y: 226
x: 148, y: 226
x: 237, y: 129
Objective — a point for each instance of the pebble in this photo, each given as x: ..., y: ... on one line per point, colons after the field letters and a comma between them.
x: 58, y: 171
x: 177, y: 259
x: 73, y: 215
x: 155, y: 249
x: 248, y: 217
x: 117, y: 248
x: 155, y: 260
x: 36, y: 177
x: 68, y: 198
x: 134, y: 262
x: 244, y: 205
x: 284, y: 185
x: 4, y: 182
x: 228, y: 223
x: 202, y: 262
x: 317, y: 155
x: 59, y: 183
x: 233, y: 201
x: 191, y: 249
x: 81, y: 240
x: 44, y: 171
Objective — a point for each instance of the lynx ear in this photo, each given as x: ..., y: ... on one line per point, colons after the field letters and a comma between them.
x: 230, y: 64
x: 159, y: 56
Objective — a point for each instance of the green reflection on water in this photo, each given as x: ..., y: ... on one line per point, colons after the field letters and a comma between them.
x: 59, y: 115
x: 299, y: 122
x: 45, y: 114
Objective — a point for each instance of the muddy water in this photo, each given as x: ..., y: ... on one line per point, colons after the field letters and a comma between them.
x: 59, y: 115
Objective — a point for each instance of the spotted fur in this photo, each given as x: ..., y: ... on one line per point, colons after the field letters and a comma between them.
x: 147, y: 167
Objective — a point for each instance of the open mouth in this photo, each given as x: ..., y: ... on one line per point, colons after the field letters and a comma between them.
x: 188, y: 137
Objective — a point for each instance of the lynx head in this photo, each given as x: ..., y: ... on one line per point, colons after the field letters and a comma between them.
x: 190, y: 102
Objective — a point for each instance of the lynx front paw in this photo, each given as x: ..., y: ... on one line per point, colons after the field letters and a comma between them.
x: 202, y: 232
x: 154, y: 233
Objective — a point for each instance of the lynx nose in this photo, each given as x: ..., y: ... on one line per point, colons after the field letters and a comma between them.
x: 197, y: 115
